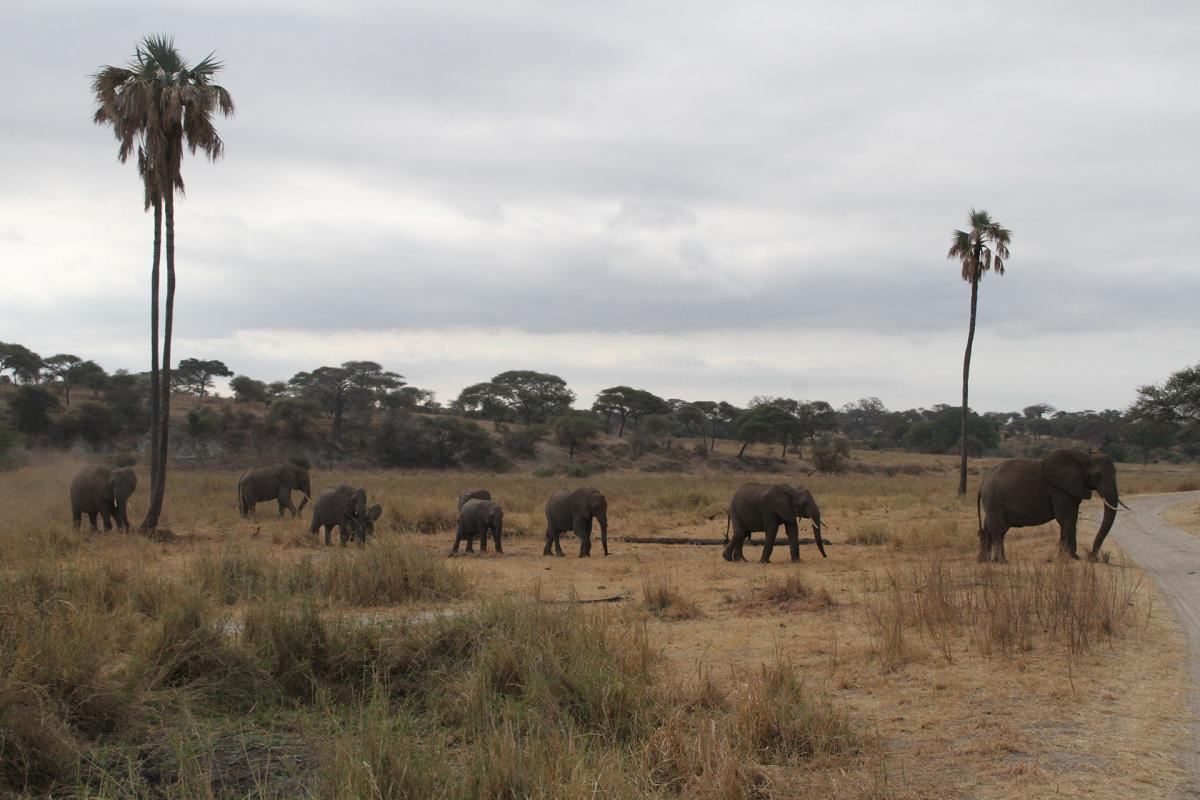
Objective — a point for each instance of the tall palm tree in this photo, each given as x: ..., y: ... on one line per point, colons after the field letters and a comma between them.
x: 155, y: 105
x: 984, y: 247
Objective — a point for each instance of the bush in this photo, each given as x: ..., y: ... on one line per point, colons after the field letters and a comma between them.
x: 522, y: 441
x: 8, y: 446
x: 295, y: 414
x: 653, y: 433
x: 30, y: 407
x: 203, y: 423
x: 406, y: 440
x: 579, y: 471
x: 575, y: 429
x: 830, y: 453
x: 544, y: 472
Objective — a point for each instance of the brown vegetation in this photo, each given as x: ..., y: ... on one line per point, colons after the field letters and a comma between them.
x: 242, y: 659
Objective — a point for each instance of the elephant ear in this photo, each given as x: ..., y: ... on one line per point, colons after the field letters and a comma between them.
x: 1062, y: 470
x: 375, y: 511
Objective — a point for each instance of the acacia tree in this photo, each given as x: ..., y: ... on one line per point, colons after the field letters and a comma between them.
x: 25, y: 365
x: 156, y: 105
x: 533, y: 396
x: 768, y: 423
x: 333, y: 388
x: 982, y: 248
x: 66, y: 368
x: 628, y: 405
x: 196, y: 375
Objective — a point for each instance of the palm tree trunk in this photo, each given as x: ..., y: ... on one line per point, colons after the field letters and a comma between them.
x: 962, y: 444
x: 164, y: 420
x: 151, y: 519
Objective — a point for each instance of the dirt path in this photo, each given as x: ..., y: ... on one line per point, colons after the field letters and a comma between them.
x: 1172, y: 557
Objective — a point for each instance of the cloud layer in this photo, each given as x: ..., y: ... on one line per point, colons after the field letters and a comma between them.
x: 750, y: 200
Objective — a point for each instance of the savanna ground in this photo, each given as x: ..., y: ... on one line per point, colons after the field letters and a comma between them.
x: 240, y: 658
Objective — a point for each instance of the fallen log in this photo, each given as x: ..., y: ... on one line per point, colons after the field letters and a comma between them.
x: 702, y: 542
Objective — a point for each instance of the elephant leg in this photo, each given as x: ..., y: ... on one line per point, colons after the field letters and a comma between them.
x: 496, y: 538
x: 585, y: 539
x: 769, y: 545
x: 471, y: 540
x: 483, y: 532
x: 793, y: 535
x: 985, y: 544
x: 106, y: 515
x: 329, y: 535
x: 1067, y: 514
x: 76, y: 517
x: 546, y: 551
x: 458, y: 535
x: 998, y: 548
x: 733, y: 548
x: 92, y: 519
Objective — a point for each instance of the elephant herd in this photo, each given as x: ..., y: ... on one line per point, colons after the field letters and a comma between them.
x: 1016, y: 493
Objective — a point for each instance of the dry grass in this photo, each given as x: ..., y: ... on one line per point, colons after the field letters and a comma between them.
x: 903, y: 670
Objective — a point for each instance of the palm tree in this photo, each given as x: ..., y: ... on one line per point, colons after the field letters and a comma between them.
x: 155, y: 105
x: 984, y: 247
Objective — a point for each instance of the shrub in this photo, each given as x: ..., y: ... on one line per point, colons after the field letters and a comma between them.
x: 653, y: 433
x: 579, y: 470
x: 522, y: 441
x: 830, y: 453
x: 406, y: 440
x: 203, y: 423
x: 30, y: 407
x: 575, y: 429
x: 8, y: 447
x: 663, y: 599
x: 544, y: 472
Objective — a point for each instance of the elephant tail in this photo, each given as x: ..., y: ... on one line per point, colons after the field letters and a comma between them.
x: 727, y: 522
x: 978, y: 511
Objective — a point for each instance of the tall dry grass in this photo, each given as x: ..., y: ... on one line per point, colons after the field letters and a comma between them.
x: 1009, y: 610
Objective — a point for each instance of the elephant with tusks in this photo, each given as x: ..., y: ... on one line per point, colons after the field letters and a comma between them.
x: 99, y: 490
x: 1022, y: 492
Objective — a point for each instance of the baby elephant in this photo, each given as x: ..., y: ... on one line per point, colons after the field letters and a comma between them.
x: 345, y: 507
x: 476, y: 518
x: 99, y: 490
x: 473, y: 494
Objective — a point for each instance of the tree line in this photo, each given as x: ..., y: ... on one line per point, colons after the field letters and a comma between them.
x: 371, y: 409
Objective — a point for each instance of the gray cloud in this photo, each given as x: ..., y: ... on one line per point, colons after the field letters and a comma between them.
x: 628, y: 170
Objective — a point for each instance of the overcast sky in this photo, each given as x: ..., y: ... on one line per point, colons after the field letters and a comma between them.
x: 710, y: 201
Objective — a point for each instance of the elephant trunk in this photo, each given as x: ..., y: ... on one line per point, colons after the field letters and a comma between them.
x: 1110, y: 515
x: 817, y: 536
x: 303, y: 503
x: 497, y: 531
x: 603, y: 517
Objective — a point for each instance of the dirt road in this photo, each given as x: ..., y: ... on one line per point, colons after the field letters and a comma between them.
x: 1172, y: 557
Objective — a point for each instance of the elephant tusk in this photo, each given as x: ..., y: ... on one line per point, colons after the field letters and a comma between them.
x: 1109, y: 505
x: 1122, y: 502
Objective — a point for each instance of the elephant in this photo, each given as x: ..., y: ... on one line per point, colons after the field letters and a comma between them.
x: 99, y: 490
x: 346, y: 507
x: 1021, y: 492
x: 473, y: 494
x: 762, y: 507
x: 476, y: 518
x: 273, y: 483
x: 568, y: 510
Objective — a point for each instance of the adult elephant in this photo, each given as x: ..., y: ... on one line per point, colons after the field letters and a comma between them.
x: 1021, y: 492
x: 574, y: 510
x: 273, y: 483
x: 477, y: 517
x: 99, y: 490
x: 764, y: 507
x: 472, y: 494
x: 345, y: 507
